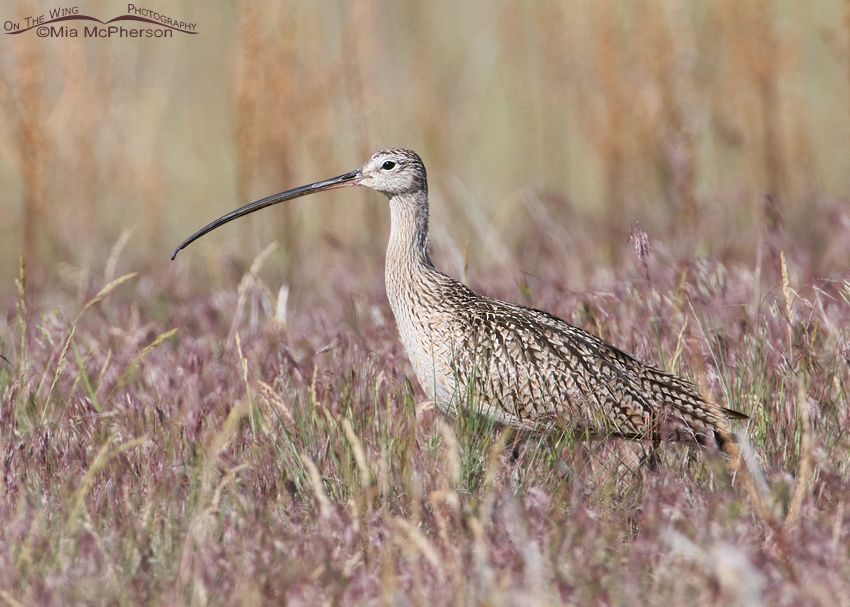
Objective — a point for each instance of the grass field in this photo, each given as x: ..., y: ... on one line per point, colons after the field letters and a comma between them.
x: 164, y: 443
x: 241, y: 426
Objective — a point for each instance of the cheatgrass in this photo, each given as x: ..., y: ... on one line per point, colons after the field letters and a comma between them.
x: 180, y: 449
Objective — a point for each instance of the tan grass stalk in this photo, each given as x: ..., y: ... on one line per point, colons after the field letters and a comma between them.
x: 786, y: 292
x: 452, y: 455
x: 114, y: 254
x: 489, y: 493
x: 804, y: 471
x: 80, y: 375
x: 251, y: 410
x: 244, y: 362
x: 448, y: 493
x: 9, y: 599
x: 247, y: 279
x: 679, y: 346
x: 806, y: 467
x: 34, y: 147
x: 103, y: 293
x: 271, y: 396
x: 359, y: 453
x: 221, y: 440
x: 384, y: 472
x: 680, y: 291
x: 228, y: 479
x: 21, y: 283
x: 103, y: 372
x: 59, y: 368
x: 836, y: 528
x: 318, y: 488
x: 104, y: 456
x: 743, y: 461
x: 130, y: 371
x: 419, y: 542
x: 280, y: 315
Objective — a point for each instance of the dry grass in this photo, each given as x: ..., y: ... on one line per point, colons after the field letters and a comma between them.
x: 297, y: 464
x: 170, y: 434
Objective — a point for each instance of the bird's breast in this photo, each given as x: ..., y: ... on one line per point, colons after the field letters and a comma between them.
x: 427, y: 334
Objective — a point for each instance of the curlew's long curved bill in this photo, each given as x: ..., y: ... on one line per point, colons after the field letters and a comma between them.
x: 349, y: 179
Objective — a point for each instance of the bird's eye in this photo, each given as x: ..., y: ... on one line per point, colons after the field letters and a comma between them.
x: 389, y: 165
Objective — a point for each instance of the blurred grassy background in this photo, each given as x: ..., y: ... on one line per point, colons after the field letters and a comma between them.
x: 548, y: 129
x: 676, y: 114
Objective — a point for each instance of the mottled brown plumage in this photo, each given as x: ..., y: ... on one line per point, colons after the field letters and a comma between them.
x: 522, y: 367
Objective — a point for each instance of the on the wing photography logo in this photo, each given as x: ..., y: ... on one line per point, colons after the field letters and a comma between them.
x: 62, y: 23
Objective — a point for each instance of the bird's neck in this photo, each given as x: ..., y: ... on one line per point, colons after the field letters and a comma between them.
x: 407, y: 252
x: 408, y: 244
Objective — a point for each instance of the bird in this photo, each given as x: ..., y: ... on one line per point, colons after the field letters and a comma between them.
x: 519, y: 366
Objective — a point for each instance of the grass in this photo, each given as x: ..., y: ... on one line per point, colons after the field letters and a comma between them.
x: 149, y: 457
x: 170, y: 434
x: 670, y: 113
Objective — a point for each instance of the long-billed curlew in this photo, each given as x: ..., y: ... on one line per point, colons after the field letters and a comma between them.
x: 522, y: 367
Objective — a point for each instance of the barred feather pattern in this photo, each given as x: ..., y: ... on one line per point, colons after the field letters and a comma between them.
x: 523, y: 367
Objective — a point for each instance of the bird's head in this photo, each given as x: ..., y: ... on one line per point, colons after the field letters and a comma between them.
x: 394, y: 171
